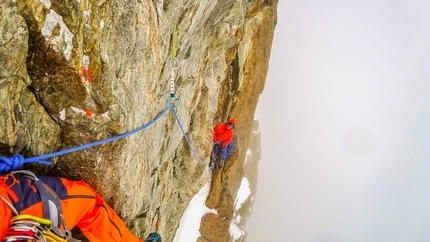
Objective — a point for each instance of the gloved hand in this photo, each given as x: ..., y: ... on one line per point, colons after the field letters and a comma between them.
x: 153, y: 237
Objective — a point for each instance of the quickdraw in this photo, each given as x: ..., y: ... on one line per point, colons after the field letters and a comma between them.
x: 173, y: 65
x: 33, y: 229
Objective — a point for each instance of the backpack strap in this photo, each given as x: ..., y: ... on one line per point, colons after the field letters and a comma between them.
x: 51, y: 204
x: 14, y: 211
x: 50, y: 201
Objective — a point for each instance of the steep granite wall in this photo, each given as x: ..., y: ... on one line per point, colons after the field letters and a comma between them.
x: 77, y: 71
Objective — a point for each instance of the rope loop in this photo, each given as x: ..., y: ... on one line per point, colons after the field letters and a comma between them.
x: 14, y: 162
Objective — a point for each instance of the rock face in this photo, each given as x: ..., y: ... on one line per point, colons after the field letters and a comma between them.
x: 78, y: 71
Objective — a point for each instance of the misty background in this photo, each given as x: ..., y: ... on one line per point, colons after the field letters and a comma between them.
x: 344, y: 121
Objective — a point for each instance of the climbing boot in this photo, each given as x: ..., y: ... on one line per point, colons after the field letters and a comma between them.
x: 153, y: 237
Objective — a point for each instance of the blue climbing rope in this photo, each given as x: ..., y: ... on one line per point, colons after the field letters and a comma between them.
x: 14, y: 162
x: 186, y: 138
x: 17, y: 160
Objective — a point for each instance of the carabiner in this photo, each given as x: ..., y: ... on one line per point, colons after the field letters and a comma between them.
x: 173, y: 96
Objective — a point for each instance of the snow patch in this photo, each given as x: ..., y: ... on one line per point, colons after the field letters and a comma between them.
x: 248, y: 154
x: 235, y: 231
x: 189, y: 224
x: 242, y: 194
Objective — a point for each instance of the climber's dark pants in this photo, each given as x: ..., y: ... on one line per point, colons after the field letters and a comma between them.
x: 216, y: 156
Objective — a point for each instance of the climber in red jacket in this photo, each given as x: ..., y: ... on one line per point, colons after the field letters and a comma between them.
x: 223, y: 133
x: 26, y: 199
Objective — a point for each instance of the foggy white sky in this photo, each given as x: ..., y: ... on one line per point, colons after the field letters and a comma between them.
x: 345, y: 124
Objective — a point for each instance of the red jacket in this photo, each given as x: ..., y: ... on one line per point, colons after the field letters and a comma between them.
x: 222, y: 134
x: 81, y: 207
